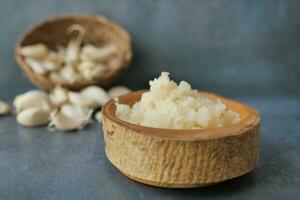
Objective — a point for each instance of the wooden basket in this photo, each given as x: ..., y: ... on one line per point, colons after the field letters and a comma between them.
x: 99, y: 30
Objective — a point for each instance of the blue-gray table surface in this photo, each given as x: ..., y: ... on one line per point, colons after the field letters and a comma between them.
x: 245, y: 50
x: 38, y: 164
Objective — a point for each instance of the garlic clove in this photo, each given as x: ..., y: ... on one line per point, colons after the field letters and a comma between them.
x: 96, y: 94
x: 98, y: 117
x: 118, y: 91
x: 80, y: 100
x: 70, y: 117
x: 97, y: 71
x: 58, y: 95
x: 86, y: 64
x: 69, y: 74
x: 33, y: 116
x: 36, y: 66
x: 33, y: 98
x: 92, y: 97
x: 73, y: 48
x: 98, y: 54
x: 61, y: 51
x: 57, y: 78
x: 36, y: 51
x: 53, y: 61
x: 74, y: 110
x: 4, y: 108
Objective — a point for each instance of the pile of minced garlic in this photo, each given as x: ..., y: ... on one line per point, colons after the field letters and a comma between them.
x: 168, y: 105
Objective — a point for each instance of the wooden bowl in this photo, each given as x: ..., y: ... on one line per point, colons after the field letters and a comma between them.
x: 99, y: 30
x: 175, y: 158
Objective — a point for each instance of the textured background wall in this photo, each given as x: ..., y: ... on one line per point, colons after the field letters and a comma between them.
x: 233, y: 47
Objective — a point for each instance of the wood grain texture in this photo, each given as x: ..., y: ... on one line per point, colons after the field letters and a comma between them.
x: 182, y: 158
x: 99, y: 30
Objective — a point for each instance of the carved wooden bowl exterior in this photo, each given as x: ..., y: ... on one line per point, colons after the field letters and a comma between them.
x: 99, y: 30
x: 182, y: 158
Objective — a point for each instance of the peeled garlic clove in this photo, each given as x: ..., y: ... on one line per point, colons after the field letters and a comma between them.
x: 80, y: 100
x: 4, y: 108
x: 97, y: 71
x: 53, y: 61
x: 70, y: 117
x: 36, y: 66
x: 36, y: 51
x: 73, y: 48
x: 72, y: 52
x: 57, y: 78
x: 87, y: 64
x: 33, y: 116
x: 99, y: 54
x: 97, y: 94
x: 61, y: 51
x: 68, y: 73
x: 98, y: 117
x: 33, y: 98
x: 74, y: 110
x: 58, y: 96
x: 118, y: 91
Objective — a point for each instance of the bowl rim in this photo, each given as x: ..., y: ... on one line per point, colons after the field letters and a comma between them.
x: 66, y: 16
x: 251, y: 120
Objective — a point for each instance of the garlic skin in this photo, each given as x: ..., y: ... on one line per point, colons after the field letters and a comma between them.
x: 58, y: 96
x: 70, y: 117
x: 118, y: 91
x: 36, y: 51
x: 4, y: 108
x: 98, y: 54
x: 33, y: 98
x: 33, y: 116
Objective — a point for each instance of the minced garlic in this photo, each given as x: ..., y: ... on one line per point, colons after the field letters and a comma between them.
x: 168, y: 105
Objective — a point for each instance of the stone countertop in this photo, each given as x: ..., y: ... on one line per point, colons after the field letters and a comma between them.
x: 38, y: 164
